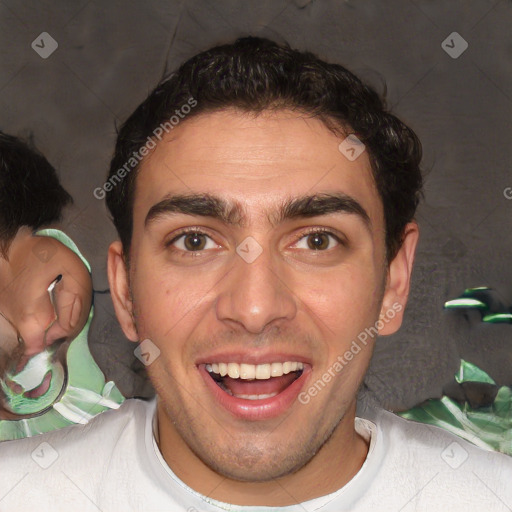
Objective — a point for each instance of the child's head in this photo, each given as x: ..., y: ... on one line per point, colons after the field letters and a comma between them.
x: 31, y: 266
x: 30, y: 193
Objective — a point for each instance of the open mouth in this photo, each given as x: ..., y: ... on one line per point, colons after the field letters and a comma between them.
x: 255, y: 382
x: 41, y: 389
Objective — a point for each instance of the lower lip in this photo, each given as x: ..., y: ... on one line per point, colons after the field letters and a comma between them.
x: 252, y: 410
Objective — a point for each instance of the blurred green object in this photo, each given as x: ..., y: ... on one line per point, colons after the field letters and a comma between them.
x: 488, y: 426
x: 484, y: 300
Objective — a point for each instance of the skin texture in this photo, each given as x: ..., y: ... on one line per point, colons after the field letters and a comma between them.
x: 291, y: 299
x: 32, y: 263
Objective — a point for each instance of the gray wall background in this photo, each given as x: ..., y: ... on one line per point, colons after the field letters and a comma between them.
x: 111, y: 54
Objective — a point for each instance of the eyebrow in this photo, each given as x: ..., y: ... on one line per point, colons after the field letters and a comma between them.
x: 232, y: 213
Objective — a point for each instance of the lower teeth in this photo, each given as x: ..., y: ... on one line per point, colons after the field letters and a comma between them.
x: 246, y: 397
x: 255, y: 397
x: 220, y: 383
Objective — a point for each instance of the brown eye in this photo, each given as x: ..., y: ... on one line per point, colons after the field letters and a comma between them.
x: 191, y: 241
x: 194, y: 242
x: 318, y: 241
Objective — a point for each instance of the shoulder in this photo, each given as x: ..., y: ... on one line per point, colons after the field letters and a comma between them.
x: 106, y: 428
x: 429, y: 441
x: 70, y: 467
x: 415, y: 456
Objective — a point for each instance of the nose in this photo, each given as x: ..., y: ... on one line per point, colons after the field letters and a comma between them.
x: 255, y: 294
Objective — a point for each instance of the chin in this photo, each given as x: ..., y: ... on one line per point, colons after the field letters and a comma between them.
x: 249, y: 462
x: 255, y: 469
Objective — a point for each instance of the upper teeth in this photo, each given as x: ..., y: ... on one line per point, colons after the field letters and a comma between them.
x: 254, y: 371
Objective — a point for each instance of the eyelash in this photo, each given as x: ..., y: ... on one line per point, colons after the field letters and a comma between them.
x: 199, y: 231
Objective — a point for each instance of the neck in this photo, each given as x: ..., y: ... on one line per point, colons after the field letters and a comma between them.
x: 332, y: 467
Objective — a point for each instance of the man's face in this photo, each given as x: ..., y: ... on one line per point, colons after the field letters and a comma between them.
x: 299, y: 290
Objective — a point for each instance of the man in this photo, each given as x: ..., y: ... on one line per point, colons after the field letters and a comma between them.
x: 265, y: 205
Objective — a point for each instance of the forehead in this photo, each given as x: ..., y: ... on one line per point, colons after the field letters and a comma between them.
x: 255, y: 160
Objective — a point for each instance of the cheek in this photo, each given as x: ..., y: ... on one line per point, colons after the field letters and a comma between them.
x: 165, y: 300
x: 345, y: 299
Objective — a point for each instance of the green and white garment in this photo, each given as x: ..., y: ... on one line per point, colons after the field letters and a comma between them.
x: 489, y: 427
x: 86, y: 392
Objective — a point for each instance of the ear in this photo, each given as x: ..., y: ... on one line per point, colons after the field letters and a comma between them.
x: 120, y: 290
x: 398, y: 282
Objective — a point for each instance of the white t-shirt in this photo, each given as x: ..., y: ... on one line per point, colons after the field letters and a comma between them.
x: 113, y: 464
